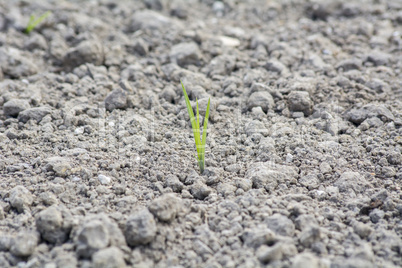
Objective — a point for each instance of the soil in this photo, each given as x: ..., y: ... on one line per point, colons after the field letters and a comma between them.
x: 303, y: 157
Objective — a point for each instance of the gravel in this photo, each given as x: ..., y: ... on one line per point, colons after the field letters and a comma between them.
x: 303, y: 153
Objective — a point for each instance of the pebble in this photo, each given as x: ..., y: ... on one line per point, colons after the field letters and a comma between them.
x: 306, y: 259
x: 304, y: 221
x: 221, y: 65
x: 140, y: 228
x: 255, y: 127
x: 299, y: 101
x: 14, y: 106
x: 154, y: 4
x: 268, y: 176
x: 151, y: 20
x: 54, y: 224
x: 200, y: 191
x: 275, y: 253
x: 89, y: 51
x: 60, y: 165
x: 16, y: 64
x: 36, y: 114
x: 260, y: 99
x: 280, y: 224
x: 275, y: 66
x: 358, y: 115
x: 174, y: 183
x: 20, y: 198
x: 349, y: 64
x: 379, y: 58
x: 261, y: 235
x: 166, y: 207
x: 309, y: 236
x: 184, y: 54
x: 105, y: 180
x: 229, y: 41
x: 351, y: 180
x: 362, y: 229
x: 376, y: 215
x: 117, y: 99
x: 24, y: 244
x: 91, y: 237
x: 310, y: 181
x: 111, y: 257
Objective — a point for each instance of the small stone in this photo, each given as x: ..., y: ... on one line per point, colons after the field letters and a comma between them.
x: 277, y: 252
x: 260, y: 99
x: 117, y: 99
x: 325, y: 168
x: 166, y: 207
x: 394, y: 158
x: 141, y: 47
x: 268, y: 176
x: 362, y: 229
x: 89, y: 51
x: 280, y: 224
x: 349, y: 64
x: 229, y: 41
x: 92, y: 236
x: 376, y: 215
x: 111, y: 257
x: 309, y: 236
x: 16, y: 63
x: 255, y: 127
x: 358, y: 115
x: 140, y: 228
x: 24, y: 244
x: 36, y: 114
x: 275, y: 66
x: 105, y: 180
x: 174, y: 183
x: 151, y: 20
x: 233, y: 168
x: 185, y: 54
x: 221, y: 65
x: 60, y: 165
x: 351, y: 180
x: 20, y: 198
x: 13, y: 107
x: 304, y: 260
x: 12, y: 134
x: 258, y: 236
x: 200, y: 191
x: 154, y: 4
x: 218, y: 7
x: 54, y: 224
x: 310, y: 181
x: 36, y: 41
x: 304, y: 221
x: 379, y: 58
x: 299, y: 101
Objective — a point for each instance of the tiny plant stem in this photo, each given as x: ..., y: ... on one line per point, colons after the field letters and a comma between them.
x: 33, y: 21
x: 195, y: 124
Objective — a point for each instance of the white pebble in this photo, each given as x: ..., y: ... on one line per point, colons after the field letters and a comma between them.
x: 289, y: 158
x: 104, y: 179
x: 79, y: 130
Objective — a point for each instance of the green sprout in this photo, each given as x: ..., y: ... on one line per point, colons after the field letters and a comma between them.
x: 195, y: 124
x: 33, y: 21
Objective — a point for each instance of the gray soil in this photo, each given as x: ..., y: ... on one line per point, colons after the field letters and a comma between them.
x: 303, y: 162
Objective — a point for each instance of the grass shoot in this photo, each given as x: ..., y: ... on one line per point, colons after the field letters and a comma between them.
x: 195, y: 124
x: 33, y: 21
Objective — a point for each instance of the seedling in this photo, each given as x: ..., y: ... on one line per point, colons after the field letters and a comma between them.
x: 33, y: 21
x: 195, y: 124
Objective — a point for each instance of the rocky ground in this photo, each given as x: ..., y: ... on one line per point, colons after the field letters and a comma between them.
x: 303, y: 163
